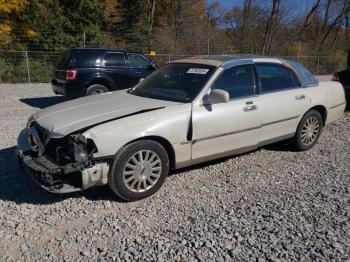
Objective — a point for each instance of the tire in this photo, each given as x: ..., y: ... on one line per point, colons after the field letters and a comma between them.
x: 96, y: 90
x: 306, y: 137
x: 149, y: 176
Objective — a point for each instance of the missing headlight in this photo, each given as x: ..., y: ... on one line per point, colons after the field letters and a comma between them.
x: 80, y: 154
x: 83, y: 148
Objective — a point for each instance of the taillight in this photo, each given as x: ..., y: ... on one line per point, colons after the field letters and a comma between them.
x: 336, y: 77
x: 71, y: 74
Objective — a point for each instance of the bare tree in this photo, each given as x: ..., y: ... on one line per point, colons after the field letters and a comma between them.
x: 151, y: 9
x: 308, y: 18
x: 246, y: 12
x: 337, y: 22
x: 271, y: 23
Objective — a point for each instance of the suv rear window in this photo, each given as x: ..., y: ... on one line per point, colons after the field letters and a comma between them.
x: 114, y: 59
x: 63, y: 60
x: 87, y: 58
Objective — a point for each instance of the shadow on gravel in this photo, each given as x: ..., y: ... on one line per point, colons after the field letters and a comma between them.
x: 43, y: 102
x: 18, y: 187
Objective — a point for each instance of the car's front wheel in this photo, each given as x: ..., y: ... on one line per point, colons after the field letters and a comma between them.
x: 309, y: 131
x: 139, y: 170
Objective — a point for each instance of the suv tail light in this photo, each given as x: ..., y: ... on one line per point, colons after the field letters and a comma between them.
x: 71, y: 74
x: 336, y: 77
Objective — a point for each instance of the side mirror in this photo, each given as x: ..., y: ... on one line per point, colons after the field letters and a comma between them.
x: 151, y: 67
x: 218, y: 96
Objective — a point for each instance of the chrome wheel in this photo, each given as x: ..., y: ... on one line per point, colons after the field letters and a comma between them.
x: 310, y: 131
x: 142, y: 171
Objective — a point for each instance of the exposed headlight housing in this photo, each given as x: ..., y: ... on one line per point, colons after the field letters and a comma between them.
x: 80, y: 153
x: 82, y: 147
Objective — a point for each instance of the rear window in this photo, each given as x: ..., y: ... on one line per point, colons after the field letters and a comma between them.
x: 306, y: 78
x: 63, y: 60
x: 275, y: 77
x: 87, y: 58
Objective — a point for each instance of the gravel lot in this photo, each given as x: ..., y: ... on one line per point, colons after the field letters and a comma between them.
x: 271, y: 204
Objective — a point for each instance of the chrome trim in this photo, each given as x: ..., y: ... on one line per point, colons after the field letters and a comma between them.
x: 279, y: 121
x: 338, y: 105
x: 237, y: 132
x: 220, y: 135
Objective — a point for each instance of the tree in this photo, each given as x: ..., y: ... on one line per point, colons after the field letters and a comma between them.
x: 270, y: 26
x: 10, y: 23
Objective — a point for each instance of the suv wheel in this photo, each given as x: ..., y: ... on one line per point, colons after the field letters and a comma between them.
x: 96, y: 90
x: 309, y: 130
x: 138, y: 170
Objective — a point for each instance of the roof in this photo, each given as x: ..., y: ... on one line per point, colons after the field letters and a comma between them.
x: 227, y: 61
x: 104, y: 49
x: 220, y: 60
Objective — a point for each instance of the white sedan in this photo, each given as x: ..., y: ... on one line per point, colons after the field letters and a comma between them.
x: 189, y: 111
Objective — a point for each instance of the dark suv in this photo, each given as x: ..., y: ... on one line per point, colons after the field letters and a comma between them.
x: 89, y: 71
x: 344, y: 78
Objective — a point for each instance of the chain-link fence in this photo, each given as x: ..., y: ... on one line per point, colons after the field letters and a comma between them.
x: 37, y: 67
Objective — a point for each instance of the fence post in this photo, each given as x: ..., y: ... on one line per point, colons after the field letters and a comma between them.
x: 318, y: 65
x: 299, y: 50
x: 169, y: 58
x: 84, y: 38
x: 208, y: 35
x: 28, y: 70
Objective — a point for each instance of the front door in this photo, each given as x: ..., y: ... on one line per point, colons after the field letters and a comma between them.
x: 228, y: 128
x: 139, y: 67
x: 114, y: 66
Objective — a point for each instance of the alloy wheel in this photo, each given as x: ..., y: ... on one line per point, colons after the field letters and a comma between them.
x: 310, y: 131
x: 142, y: 171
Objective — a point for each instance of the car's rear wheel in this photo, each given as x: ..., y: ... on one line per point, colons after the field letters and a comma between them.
x: 139, y: 170
x: 309, y: 131
x: 96, y: 90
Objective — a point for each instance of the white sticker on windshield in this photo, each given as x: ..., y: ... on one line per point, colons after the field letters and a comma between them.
x: 198, y: 71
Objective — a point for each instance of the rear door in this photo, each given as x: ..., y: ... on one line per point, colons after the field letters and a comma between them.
x: 114, y: 67
x: 139, y: 66
x: 282, y: 101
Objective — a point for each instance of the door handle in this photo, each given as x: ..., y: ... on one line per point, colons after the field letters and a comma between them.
x: 108, y: 70
x: 138, y: 72
x: 300, y: 97
x: 250, y: 108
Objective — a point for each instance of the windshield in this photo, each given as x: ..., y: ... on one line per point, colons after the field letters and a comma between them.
x: 175, y: 82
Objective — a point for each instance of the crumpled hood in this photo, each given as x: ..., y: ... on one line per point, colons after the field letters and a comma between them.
x: 65, y: 118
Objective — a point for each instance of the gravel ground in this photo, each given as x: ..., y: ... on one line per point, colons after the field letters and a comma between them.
x: 271, y: 204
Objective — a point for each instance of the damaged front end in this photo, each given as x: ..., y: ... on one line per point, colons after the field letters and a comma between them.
x: 60, y: 165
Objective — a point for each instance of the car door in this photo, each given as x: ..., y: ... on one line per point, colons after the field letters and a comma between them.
x: 227, y: 128
x: 114, y: 67
x: 282, y: 101
x: 139, y: 67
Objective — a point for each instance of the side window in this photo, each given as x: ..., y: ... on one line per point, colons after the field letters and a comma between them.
x: 88, y: 58
x: 238, y: 81
x: 114, y: 59
x: 138, y: 61
x: 275, y: 77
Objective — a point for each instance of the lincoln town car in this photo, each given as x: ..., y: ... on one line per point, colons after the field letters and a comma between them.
x: 187, y: 112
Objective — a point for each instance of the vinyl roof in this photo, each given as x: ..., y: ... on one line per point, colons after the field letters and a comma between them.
x: 219, y: 60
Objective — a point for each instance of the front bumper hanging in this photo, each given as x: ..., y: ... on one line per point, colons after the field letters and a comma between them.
x: 59, y: 179
x: 48, y: 175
